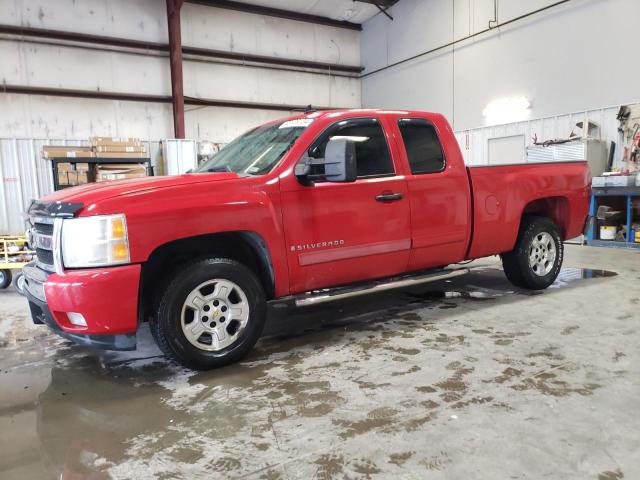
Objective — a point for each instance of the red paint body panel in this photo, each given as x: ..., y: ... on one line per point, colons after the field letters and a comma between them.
x: 106, y: 297
x: 502, y: 193
x: 326, y: 234
x: 440, y: 202
x: 164, y: 209
x: 345, y: 212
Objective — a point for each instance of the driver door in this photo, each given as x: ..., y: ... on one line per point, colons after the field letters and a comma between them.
x: 339, y: 233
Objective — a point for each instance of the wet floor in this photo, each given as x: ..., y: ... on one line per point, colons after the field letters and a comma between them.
x: 466, y: 378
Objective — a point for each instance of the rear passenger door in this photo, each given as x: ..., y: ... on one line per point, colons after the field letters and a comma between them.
x: 438, y: 197
x: 339, y: 233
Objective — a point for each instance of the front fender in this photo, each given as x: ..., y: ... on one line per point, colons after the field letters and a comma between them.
x: 161, y: 216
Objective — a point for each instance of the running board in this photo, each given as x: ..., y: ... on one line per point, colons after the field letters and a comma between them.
x: 315, y: 297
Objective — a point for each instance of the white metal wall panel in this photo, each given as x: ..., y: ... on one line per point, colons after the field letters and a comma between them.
x: 179, y: 155
x: 24, y: 175
x: 554, y: 153
x: 474, y: 143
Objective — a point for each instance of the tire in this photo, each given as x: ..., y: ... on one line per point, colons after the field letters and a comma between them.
x: 536, y: 260
x: 18, y: 282
x: 201, y: 328
x: 5, y: 279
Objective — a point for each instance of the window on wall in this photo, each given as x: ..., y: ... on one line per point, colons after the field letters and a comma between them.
x: 422, y: 145
x: 372, y: 153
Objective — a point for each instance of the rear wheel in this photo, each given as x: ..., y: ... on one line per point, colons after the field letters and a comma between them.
x: 537, y: 258
x: 211, y: 314
x: 5, y: 278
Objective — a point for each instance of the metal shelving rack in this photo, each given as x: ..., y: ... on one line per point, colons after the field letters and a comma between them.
x: 628, y: 193
x: 93, y: 160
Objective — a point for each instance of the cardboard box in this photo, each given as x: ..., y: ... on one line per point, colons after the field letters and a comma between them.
x: 121, y: 155
x: 121, y: 148
x: 117, y: 171
x: 63, y: 178
x: 73, y: 151
x: 73, y: 178
x: 65, y: 167
x: 83, y: 176
x: 82, y: 167
x: 118, y: 141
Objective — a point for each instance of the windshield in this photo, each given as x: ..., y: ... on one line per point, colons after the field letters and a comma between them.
x: 257, y: 151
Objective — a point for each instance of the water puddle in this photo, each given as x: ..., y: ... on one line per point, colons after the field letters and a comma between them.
x: 488, y: 283
x: 568, y: 275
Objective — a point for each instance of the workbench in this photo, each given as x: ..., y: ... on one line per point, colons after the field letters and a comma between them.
x: 597, y: 193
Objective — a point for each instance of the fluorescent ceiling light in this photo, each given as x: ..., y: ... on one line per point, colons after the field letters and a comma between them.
x: 507, y: 110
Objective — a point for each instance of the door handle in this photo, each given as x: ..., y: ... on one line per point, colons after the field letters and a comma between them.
x: 389, y: 197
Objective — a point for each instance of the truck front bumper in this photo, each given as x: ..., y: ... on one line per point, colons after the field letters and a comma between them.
x: 103, y: 304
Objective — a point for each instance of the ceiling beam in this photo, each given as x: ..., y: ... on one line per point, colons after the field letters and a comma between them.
x: 163, y: 47
x: 277, y: 12
x: 144, y: 97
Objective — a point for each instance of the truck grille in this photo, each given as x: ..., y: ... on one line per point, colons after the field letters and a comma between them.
x: 44, y: 228
x: 45, y: 257
x: 42, y: 241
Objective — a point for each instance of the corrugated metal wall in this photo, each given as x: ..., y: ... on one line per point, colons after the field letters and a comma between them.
x: 25, y: 175
x: 474, y: 143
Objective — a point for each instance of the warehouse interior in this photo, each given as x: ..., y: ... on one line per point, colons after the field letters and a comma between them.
x: 472, y: 375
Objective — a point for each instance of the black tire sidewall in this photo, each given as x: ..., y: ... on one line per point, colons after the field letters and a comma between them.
x: 169, y: 312
x: 17, y: 281
x: 5, y: 280
x: 533, y: 227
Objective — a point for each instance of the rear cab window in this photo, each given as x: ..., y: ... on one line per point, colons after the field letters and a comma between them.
x: 372, y: 152
x: 423, y: 147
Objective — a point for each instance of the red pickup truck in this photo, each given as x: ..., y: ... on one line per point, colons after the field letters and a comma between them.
x: 307, y: 209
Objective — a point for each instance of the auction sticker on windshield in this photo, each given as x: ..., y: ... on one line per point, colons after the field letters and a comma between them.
x: 298, y: 122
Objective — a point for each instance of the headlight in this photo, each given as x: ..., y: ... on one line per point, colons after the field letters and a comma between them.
x: 96, y: 241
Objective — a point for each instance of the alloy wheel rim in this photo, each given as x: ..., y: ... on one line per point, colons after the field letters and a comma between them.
x: 214, y: 315
x: 20, y: 283
x: 542, y: 254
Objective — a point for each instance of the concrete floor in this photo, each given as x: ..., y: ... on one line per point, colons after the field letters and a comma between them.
x: 464, y: 379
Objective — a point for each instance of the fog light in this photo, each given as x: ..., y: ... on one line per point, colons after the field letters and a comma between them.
x: 76, y: 319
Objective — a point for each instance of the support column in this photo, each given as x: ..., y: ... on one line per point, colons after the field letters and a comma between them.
x: 175, y: 60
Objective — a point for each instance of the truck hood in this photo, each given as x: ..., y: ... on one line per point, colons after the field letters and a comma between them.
x: 95, y: 192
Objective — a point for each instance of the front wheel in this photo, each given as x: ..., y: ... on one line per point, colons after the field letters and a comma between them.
x: 210, y: 315
x: 536, y: 260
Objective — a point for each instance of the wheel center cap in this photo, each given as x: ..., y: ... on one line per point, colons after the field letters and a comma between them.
x: 217, y: 311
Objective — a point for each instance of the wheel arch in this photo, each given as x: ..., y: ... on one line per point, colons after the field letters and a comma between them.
x: 555, y: 208
x: 246, y: 247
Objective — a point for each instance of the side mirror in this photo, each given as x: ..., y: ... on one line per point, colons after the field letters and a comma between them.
x: 339, y: 163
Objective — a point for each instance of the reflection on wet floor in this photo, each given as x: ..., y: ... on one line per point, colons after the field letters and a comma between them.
x: 482, y: 283
x: 393, y: 365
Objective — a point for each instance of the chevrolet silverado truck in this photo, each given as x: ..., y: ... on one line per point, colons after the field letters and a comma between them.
x: 312, y: 208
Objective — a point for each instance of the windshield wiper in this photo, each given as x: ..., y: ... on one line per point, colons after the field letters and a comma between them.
x: 220, y: 168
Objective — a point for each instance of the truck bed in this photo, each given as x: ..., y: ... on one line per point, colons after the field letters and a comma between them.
x: 502, y: 193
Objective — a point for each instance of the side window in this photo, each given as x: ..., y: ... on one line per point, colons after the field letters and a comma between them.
x: 372, y: 153
x: 422, y: 145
